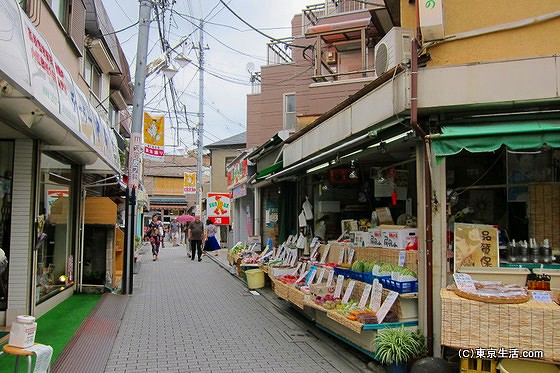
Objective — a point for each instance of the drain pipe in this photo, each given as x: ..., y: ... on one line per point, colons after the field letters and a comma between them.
x: 415, y: 47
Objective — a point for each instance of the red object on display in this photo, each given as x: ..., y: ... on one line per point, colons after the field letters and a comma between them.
x: 394, y: 198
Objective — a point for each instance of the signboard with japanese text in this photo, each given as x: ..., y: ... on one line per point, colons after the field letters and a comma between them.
x: 237, y: 173
x: 476, y: 245
x: 189, y: 183
x: 218, y: 208
x: 154, y: 130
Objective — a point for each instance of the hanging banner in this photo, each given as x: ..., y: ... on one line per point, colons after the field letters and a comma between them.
x: 154, y: 130
x: 189, y: 183
x: 476, y: 245
x: 217, y: 208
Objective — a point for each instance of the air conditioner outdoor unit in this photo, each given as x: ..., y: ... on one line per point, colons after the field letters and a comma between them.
x: 392, y: 49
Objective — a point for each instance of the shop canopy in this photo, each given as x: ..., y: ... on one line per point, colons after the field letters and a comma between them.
x: 476, y: 138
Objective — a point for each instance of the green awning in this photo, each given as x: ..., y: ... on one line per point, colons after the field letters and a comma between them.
x: 270, y: 169
x: 478, y: 138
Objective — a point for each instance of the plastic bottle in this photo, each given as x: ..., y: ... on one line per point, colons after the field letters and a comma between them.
x: 22, y: 333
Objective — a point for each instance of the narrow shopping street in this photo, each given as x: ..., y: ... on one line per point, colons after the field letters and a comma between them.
x: 190, y: 316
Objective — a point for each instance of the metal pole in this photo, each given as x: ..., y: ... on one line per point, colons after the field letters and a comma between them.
x: 200, y: 120
x: 135, y: 151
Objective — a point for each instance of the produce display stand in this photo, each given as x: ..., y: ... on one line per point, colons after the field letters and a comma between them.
x: 528, y: 326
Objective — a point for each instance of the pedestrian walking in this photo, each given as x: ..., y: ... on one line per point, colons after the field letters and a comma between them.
x: 211, y: 243
x: 155, y: 235
x: 174, y: 231
x: 195, y: 235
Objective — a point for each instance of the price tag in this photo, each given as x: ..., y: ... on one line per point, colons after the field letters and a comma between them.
x: 314, y: 241
x: 338, y: 288
x: 294, y: 259
x: 402, y: 258
x: 386, y: 306
x: 321, y: 275
x: 464, y: 282
x: 330, y: 278
x: 325, y: 253
x: 365, y: 295
x: 341, y: 255
x: 301, y: 277
x: 376, y: 293
x: 311, y: 276
x: 296, y: 270
x: 350, y: 255
x: 542, y: 296
x: 348, y: 292
x: 315, y: 250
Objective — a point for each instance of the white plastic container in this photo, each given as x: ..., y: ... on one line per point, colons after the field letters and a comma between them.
x: 23, y: 331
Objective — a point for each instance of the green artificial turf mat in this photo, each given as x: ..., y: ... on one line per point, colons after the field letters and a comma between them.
x: 56, y: 327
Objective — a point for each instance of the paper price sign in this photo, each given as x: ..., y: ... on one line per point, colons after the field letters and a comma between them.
x: 315, y: 250
x: 348, y: 292
x: 464, y: 282
x: 350, y: 255
x: 364, y: 298
x: 301, y: 277
x: 386, y: 306
x: 314, y: 241
x: 295, y: 272
x: 325, y: 253
x: 311, y: 276
x: 321, y: 275
x: 376, y: 292
x: 330, y: 278
x: 542, y: 296
x: 341, y: 255
x: 402, y: 258
x: 338, y: 289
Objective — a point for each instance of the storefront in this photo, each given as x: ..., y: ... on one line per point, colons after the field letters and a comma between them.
x: 51, y: 138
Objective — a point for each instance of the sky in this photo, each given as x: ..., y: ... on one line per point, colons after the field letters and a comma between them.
x: 231, y: 47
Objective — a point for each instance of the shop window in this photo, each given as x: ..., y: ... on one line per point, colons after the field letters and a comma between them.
x: 6, y: 178
x: 54, y: 271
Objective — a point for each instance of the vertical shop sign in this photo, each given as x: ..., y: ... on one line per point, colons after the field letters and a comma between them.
x: 271, y: 214
x: 154, y: 131
x: 218, y: 208
x: 476, y: 245
x: 189, y: 183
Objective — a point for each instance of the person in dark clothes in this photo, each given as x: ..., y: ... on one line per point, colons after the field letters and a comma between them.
x: 195, y: 233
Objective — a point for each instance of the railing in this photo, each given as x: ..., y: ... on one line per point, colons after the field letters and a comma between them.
x: 279, y: 52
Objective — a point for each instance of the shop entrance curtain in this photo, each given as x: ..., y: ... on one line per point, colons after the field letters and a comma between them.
x: 489, y: 137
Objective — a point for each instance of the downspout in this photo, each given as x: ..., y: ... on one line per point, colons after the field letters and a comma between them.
x: 415, y: 47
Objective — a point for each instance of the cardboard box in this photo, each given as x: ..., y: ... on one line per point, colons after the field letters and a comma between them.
x: 360, y: 238
x: 321, y: 289
x: 398, y: 237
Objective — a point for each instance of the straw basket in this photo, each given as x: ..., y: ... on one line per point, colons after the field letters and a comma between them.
x: 490, y: 299
x: 296, y: 296
x: 281, y: 289
x: 521, y: 326
x: 390, y: 256
x: 544, y: 212
x: 341, y: 319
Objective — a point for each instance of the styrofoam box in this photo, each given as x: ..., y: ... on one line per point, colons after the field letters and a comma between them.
x: 361, y: 238
x: 506, y: 275
x: 397, y: 238
x: 554, y: 276
x: 375, y: 237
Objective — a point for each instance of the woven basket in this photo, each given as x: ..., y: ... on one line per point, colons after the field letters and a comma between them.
x: 310, y: 303
x: 487, y: 299
x: 341, y: 319
x: 296, y: 296
x: 522, y: 326
x: 281, y: 289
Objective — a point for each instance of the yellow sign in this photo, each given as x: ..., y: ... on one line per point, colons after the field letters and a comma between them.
x: 154, y: 133
x: 189, y: 183
x: 476, y: 245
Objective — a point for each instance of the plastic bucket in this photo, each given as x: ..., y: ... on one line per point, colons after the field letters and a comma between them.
x: 255, y: 278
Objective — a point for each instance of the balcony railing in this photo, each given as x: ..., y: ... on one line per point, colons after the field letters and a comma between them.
x: 279, y: 52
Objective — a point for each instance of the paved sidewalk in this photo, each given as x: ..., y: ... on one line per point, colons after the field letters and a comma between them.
x: 190, y: 316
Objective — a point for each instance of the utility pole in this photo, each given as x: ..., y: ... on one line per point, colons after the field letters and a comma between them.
x: 200, y: 119
x: 135, y: 151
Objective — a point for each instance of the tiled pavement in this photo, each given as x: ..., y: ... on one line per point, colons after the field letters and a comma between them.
x: 190, y: 316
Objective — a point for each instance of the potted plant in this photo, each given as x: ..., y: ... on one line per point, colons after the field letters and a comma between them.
x: 396, y: 346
